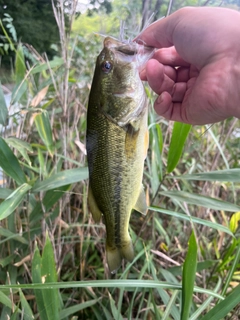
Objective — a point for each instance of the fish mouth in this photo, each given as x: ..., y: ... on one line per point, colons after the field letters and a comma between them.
x: 130, y: 51
x: 125, y: 94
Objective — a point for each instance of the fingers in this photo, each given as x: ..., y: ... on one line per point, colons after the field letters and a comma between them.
x: 155, y: 35
x: 165, y: 78
x: 159, y: 77
x: 169, y: 56
x: 165, y: 107
x: 191, y: 106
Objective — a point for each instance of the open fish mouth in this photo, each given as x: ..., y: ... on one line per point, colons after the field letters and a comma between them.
x: 130, y: 51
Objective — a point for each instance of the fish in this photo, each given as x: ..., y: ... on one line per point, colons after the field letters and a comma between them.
x: 117, y: 143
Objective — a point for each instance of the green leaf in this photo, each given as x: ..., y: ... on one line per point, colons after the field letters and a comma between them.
x: 221, y: 310
x: 231, y: 270
x: 155, y: 148
x: 49, y: 200
x: 43, y: 125
x: 6, y: 301
x: 20, y: 68
x: 10, y: 235
x: 27, y: 311
x: 200, y: 200
x: 57, y: 62
x: 61, y: 179
x: 13, y: 201
x: 128, y: 283
x: 49, y: 274
x: 3, y: 107
x: 188, y: 277
x: 235, y: 218
x: 115, y: 312
x: 229, y: 175
x: 22, y: 146
x: 4, y: 193
x: 6, y: 261
x: 71, y: 310
x: 179, y: 136
x: 202, y: 265
x: 10, y: 164
x: 206, y: 303
x: 42, y: 166
x: 20, y: 81
x: 183, y: 216
x: 37, y: 278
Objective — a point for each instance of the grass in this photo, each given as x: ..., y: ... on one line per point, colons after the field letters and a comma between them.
x: 52, y: 254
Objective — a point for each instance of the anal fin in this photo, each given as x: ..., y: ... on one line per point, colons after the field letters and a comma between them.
x: 141, y: 204
x: 96, y: 213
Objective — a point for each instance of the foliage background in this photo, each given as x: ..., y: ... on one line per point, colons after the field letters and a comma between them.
x: 46, y: 232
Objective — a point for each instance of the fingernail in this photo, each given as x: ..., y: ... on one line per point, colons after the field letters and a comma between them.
x: 160, y: 99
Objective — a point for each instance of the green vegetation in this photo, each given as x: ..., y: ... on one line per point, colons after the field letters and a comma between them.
x: 52, y: 255
x: 34, y: 22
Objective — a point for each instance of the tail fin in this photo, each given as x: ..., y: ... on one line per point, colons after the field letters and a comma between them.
x: 115, y: 255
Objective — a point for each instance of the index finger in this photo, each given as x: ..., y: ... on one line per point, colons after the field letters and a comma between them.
x: 157, y: 34
x: 169, y: 56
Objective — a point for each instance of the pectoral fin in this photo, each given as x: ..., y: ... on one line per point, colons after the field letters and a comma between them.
x: 141, y: 205
x: 96, y: 213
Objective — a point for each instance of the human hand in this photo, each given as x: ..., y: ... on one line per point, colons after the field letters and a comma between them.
x: 196, y: 71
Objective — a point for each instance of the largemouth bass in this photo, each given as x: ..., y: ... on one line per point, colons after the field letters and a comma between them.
x: 117, y: 142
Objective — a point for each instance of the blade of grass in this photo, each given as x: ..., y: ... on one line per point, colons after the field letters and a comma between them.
x: 10, y: 164
x: 170, y: 306
x: 206, y: 303
x: 26, y: 309
x: 229, y: 175
x: 71, y: 310
x: 36, y: 277
x: 156, y: 145
x: 202, y: 265
x: 4, y: 193
x: 225, y: 306
x: 10, y: 235
x: 179, y: 136
x: 57, y: 62
x: 115, y: 312
x: 13, y: 201
x: 164, y: 295
x: 6, y: 301
x: 234, y: 221
x: 200, y: 200
x: 51, y: 197
x: 20, y: 87
x: 219, y: 146
x: 43, y: 125
x: 3, y: 107
x: 207, y: 223
x: 49, y: 274
x: 128, y: 283
x: 231, y: 271
x: 20, y: 67
x: 188, y: 277
x: 61, y: 179
x: 22, y: 146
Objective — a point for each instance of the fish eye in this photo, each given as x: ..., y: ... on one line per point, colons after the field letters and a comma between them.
x: 106, y: 66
